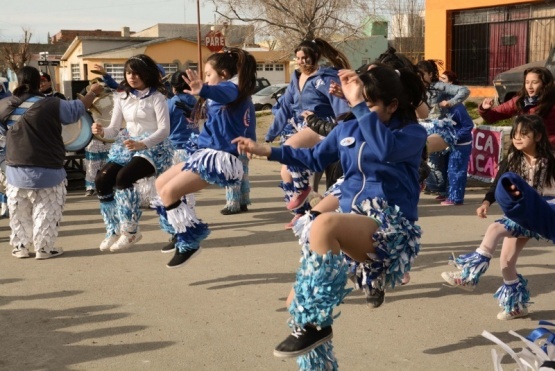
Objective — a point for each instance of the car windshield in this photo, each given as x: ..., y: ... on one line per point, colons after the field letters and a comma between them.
x: 269, y: 90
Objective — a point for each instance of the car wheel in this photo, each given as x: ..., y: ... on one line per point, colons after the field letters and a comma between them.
x: 266, y: 107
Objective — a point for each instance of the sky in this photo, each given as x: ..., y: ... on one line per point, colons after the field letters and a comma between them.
x: 50, y: 16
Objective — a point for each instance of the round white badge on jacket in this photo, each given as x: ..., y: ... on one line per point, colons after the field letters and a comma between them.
x: 347, y: 141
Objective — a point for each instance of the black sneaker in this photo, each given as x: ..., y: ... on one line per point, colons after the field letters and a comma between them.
x: 375, y: 295
x: 227, y: 211
x: 244, y: 208
x: 170, y: 247
x: 180, y: 258
x: 302, y: 341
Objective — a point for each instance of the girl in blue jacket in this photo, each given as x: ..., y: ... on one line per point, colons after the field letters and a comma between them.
x: 454, y: 174
x: 229, y: 83
x: 308, y: 91
x: 183, y: 136
x: 380, y: 153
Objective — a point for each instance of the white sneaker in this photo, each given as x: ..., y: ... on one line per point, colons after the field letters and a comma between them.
x: 126, y: 240
x: 20, y: 252
x: 108, y: 242
x: 518, y: 313
x: 43, y: 254
x: 454, y: 279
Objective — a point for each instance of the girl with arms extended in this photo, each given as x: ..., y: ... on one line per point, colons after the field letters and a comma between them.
x: 308, y: 91
x: 530, y: 166
x: 537, y: 96
x: 230, y: 81
x: 141, y: 150
x: 380, y: 153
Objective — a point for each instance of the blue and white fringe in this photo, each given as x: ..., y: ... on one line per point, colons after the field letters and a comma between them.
x: 108, y: 210
x: 514, y: 296
x: 473, y: 265
x: 518, y: 231
x: 215, y: 167
x: 128, y: 209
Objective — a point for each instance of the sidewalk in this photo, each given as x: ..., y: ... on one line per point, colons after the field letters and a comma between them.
x: 88, y: 310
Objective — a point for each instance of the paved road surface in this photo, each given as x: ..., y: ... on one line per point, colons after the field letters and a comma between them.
x: 88, y: 310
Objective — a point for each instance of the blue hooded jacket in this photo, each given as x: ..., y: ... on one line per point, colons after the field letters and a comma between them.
x: 223, y: 123
x: 464, y: 125
x: 314, y: 97
x: 181, y: 127
x: 378, y: 160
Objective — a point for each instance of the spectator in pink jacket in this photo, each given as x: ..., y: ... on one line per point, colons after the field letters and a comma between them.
x: 537, y: 96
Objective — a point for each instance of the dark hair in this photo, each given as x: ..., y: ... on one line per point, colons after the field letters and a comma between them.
x: 387, y: 84
x: 451, y: 77
x: 236, y: 62
x: 534, y: 124
x: 546, y: 97
x: 28, y: 79
x: 146, y: 68
x: 317, y: 48
x: 430, y: 66
x: 178, y: 83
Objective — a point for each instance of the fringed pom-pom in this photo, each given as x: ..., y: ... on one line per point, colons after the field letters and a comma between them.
x: 302, y: 226
x: 397, y: 242
x: 182, y: 217
x: 319, y: 287
x: 513, y: 297
x: 216, y: 167
x: 473, y: 266
x: 322, y: 358
x: 192, y: 237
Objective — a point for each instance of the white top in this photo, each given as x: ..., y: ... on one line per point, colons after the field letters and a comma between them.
x: 148, y: 115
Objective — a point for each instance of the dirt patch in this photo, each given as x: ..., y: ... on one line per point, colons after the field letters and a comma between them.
x: 263, y: 122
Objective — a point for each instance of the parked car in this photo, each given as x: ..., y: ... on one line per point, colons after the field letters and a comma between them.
x: 261, y: 83
x: 508, y: 83
x: 267, y: 97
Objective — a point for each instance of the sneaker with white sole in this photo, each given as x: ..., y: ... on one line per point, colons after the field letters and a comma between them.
x: 20, y: 252
x: 180, y: 258
x: 126, y: 240
x: 302, y: 341
x: 43, y: 254
x: 108, y: 242
x: 517, y: 313
x: 454, y: 279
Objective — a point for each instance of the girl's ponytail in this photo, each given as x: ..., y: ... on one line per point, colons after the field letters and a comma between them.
x: 337, y: 58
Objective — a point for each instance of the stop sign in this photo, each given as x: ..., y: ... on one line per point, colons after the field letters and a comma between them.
x: 215, y: 41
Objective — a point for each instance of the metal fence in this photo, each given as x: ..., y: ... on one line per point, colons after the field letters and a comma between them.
x: 488, y: 41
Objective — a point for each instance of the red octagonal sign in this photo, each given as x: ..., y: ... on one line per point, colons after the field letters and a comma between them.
x: 214, y: 40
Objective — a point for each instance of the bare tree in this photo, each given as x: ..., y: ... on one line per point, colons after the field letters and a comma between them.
x: 16, y: 55
x: 284, y: 23
x: 406, y: 25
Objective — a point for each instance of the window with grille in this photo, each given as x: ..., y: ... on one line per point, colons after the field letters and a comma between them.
x: 117, y: 71
x: 268, y: 67
x: 279, y: 67
x: 170, y: 67
x: 192, y: 66
x: 259, y: 67
x: 75, y: 72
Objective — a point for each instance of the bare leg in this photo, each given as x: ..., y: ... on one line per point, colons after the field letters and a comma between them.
x: 509, y: 255
x: 305, y: 138
x: 435, y: 143
x: 175, y: 183
x: 351, y: 233
x: 492, y: 237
